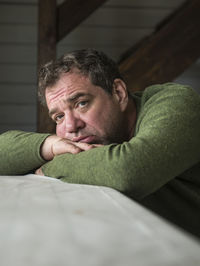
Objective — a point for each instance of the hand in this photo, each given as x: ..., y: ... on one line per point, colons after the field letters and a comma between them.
x: 54, y: 145
x: 39, y: 171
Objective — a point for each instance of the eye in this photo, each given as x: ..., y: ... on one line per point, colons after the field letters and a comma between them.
x: 82, y: 104
x: 58, y: 118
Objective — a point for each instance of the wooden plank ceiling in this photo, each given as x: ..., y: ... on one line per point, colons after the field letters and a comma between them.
x: 164, y: 55
x: 161, y: 57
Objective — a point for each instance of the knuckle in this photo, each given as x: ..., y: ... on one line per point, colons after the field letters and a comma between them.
x: 75, y: 149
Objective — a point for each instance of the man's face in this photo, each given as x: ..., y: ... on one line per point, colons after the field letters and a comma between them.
x: 84, y: 112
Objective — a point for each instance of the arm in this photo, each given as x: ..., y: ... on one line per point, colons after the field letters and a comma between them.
x: 165, y: 145
x: 20, y: 152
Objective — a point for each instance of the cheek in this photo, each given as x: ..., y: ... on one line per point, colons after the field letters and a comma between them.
x: 60, y: 131
x: 91, y: 119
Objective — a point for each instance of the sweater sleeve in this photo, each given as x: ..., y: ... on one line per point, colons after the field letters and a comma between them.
x: 20, y: 152
x: 166, y: 143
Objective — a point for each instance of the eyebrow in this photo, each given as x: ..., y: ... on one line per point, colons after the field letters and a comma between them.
x: 75, y: 96
x: 53, y: 111
x: 71, y: 99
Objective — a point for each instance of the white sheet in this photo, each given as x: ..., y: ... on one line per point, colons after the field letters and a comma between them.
x: 46, y: 222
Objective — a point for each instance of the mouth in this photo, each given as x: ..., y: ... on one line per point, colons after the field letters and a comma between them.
x: 85, y: 139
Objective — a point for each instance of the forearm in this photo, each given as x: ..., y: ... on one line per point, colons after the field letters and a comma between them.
x: 20, y: 152
x: 135, y: 168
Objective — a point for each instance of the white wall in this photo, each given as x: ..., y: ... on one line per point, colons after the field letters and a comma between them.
x: 113, y: 28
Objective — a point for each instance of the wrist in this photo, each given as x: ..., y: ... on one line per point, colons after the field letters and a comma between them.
x: 46, y: 148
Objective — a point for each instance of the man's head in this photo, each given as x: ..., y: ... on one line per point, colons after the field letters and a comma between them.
x: 87, y: 98
x: 101, y: 70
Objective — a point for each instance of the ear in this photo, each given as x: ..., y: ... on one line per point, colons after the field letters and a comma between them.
x: 120, y: 93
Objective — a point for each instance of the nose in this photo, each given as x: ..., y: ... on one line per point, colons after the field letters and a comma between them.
x: 73, y: 123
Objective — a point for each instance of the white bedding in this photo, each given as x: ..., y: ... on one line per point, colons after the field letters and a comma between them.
x: 46, y: 222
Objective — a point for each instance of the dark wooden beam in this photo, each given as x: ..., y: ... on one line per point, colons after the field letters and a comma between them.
x: 46, y: 52
x: 166, y: 53
x: 72, y: 12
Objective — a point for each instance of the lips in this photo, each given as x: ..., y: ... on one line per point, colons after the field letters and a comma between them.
x: 84, y: 139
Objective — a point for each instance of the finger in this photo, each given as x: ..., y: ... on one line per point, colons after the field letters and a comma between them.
x: 64, y: 146
x: 39, y: 172
x: 73, y: 149
x: 87, y: 146
x: 84, y: 146
x: 97, y: 145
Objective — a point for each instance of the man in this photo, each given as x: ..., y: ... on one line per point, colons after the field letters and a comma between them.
x: 146, y: 145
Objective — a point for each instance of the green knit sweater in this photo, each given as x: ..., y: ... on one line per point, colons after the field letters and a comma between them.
x: 159, y: 166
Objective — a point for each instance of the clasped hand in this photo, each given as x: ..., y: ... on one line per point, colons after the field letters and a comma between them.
x: 54, y: 145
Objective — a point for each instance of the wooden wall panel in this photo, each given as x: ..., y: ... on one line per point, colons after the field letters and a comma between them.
x: 107, y: 15
x: 14, y: 93
x: 17, y: 74
x: 18, y: 54
x: 17, y: 126
x: 145, y: 3
x: 21, y: 113
x: 18, y: 34
x: 21, y: 14
x: 111, y: 3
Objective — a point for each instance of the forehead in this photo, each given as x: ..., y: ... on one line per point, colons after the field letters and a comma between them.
x: 69, y: 83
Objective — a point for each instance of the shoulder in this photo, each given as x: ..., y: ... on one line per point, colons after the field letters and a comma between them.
x: 169, y: 104
x: 170, y: 96
x: 170, y: 90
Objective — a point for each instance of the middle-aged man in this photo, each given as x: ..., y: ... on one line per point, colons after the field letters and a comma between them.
x: 146, y: 145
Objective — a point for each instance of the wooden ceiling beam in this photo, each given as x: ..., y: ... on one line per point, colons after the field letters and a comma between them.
x: 46, y: 52
x: 167, y: 52
x: 72, y: 12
